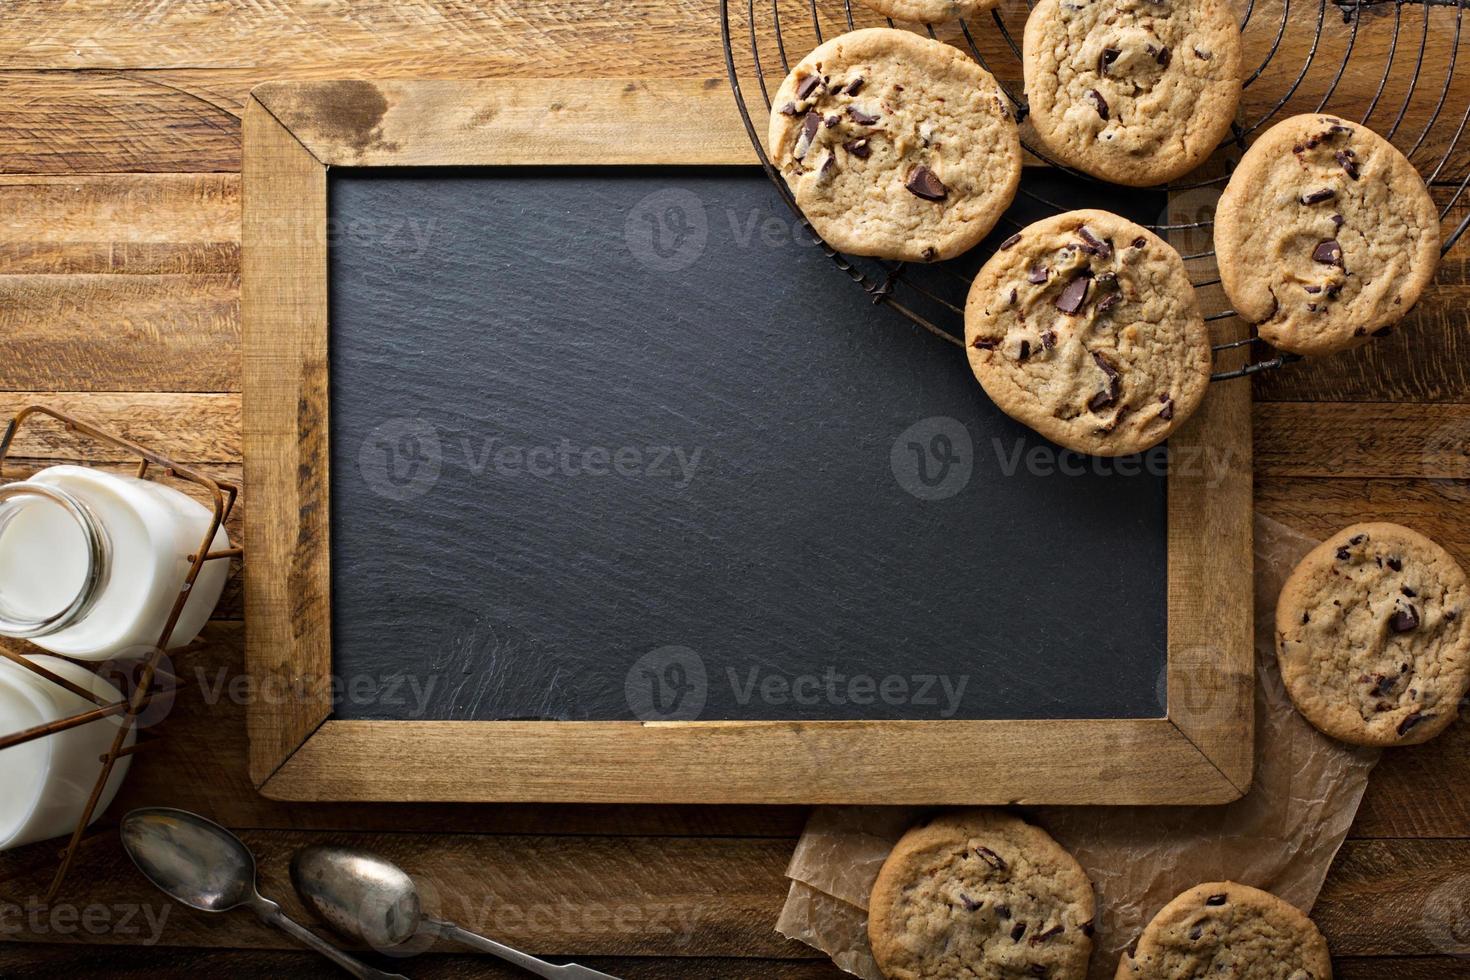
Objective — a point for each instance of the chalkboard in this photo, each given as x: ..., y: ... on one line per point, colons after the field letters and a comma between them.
x: 621, y: 443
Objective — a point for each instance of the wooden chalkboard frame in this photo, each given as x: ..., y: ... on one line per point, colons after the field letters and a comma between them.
x: 1200, y: 753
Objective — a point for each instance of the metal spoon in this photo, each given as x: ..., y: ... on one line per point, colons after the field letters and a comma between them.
x: 204, y: 866
x: 365, y: 897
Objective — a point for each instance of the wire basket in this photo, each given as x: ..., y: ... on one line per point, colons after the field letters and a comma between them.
x: 148, y: 684
x: 1391, y: 48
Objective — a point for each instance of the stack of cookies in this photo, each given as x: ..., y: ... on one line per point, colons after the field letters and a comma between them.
x: 1084, y: 326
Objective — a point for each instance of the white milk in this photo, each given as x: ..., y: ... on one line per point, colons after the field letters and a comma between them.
x: 43, y: 560
x: 45, y: 783
x: 91, y: 563
x: 24, y: 766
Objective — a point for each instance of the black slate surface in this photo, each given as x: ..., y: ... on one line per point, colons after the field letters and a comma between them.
x: 617, y: 443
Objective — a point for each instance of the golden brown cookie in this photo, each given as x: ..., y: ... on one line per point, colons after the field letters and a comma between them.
x: 1373, y: 638
x: 980, y: 893
x: 1325, y: 235
x: 1221, y: 929
x: 1084, y: 327
x: 895, y: 145
x: 1136, y: 92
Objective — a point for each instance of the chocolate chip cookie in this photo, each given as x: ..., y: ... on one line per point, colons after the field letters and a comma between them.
x: 1372, y: 636
x: 1221, y: 929
x: 930, y: 11
x: 1084, y: 327
x: 895, y: 145
x: 1137, y: 92
x: 980, y: 893
x: 1325, y: 235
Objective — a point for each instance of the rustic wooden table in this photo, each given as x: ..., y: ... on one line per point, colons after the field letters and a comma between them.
x: 119, y: 301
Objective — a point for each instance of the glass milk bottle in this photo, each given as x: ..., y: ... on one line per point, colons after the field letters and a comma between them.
x: 91, y: 563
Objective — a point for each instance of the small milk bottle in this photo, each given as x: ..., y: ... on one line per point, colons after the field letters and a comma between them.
x: 91, y: 563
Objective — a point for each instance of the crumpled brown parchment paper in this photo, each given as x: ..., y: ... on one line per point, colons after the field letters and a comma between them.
x: 1282, y: 836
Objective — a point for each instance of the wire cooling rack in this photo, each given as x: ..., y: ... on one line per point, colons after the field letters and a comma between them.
x: 1390, y: 64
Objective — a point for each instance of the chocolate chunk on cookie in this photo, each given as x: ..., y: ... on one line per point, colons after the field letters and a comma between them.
x: 1137, y: 92
x: 980, y: 893
x: 1372, y: 636
x: 895, y: 145
x: 1325, y: 235
x: 1222, y: 929
x: 1086, y: 329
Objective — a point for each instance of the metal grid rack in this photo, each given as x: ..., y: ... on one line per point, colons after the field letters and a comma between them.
x: 149, y: 681
x: 761, y: 46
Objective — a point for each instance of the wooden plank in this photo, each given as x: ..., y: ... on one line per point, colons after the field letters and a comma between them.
x: 1401, y: 968
x: 1399, y: 898
x: 569, y: 896
x: 1357, y: 439
x: 287, y: 597
x: 122, y: 223
x: 541, y: 37
x: 1140, y: 761
x: 158, y: 108
x: 1320, y: 508
x: 149, y: 963
x: 512, y: 121
x: 1212, y: 661
x: 120, y: 332
x: 1420, y: 791
x: 188, y: 428
x: 717, y: 897
x: 73, y: 123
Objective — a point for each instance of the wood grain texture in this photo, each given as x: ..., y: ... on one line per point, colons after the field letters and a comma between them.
x: 186, y: 427
x: 1423, y: 792
x: 94, y: 122
x: 1380, y: 440
x: 287, y: 597
x: 512, y: 122
x: 1212, y: 662
x: 1401, y: 898
x: 45, y: 962
x: 558, y: 895
x: 943, y: 762
x: 702, y: 896
x: 120, y: 332
x: 171, y: 95
x: 42, y: 961
x: 122, y: 224
x: 1320, y: 508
